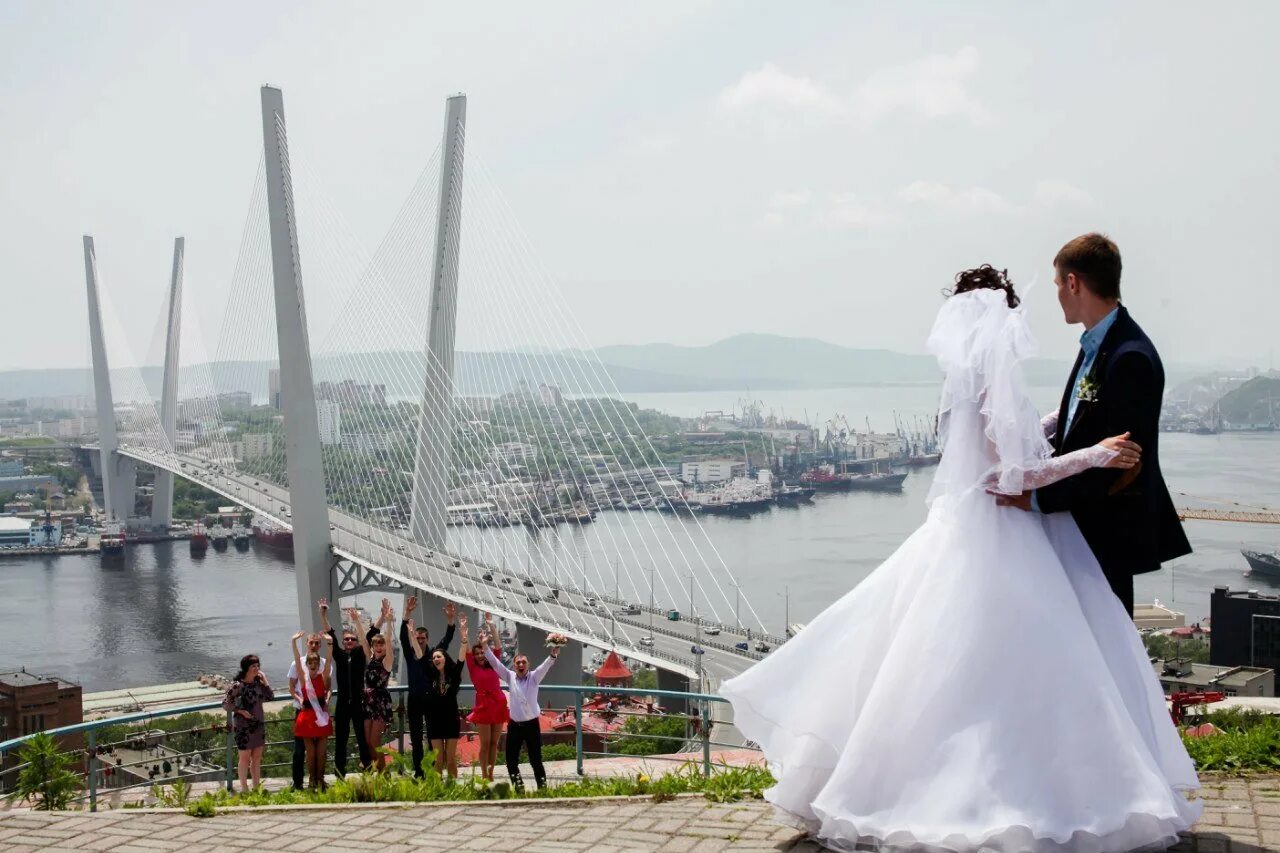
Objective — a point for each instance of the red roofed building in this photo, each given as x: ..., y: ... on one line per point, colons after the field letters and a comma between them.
x: 613, y: 672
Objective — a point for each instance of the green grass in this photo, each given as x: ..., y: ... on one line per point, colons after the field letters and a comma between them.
x: 725, y: 784
x: 1247, y: 741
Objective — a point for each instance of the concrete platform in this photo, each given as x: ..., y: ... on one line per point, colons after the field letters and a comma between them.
x: 1241, y: 816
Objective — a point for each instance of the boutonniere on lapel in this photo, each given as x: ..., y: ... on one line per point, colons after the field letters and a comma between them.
x: 1087, y: 391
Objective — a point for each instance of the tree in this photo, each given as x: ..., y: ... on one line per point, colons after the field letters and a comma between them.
x: 45, y: 781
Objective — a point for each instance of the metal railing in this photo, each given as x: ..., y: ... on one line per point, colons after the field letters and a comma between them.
x: 200, y: 762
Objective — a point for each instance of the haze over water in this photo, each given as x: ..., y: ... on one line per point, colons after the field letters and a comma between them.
x: 164, y: 616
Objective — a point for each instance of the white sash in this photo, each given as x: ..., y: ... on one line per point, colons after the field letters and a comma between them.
x: 309, y: 692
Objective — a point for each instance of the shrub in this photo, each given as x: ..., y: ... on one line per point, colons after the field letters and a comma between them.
x: 559, y: 752
x: 46, y: 781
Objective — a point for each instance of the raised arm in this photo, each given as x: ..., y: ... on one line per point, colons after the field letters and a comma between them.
x: 298, y: 671
x: 450, y: 611
x: 409, y: 639
x: 354, y: 616
x: 386, y: 635
x: 498, y: 666
x: 328, y: 668
x: 323, y: 606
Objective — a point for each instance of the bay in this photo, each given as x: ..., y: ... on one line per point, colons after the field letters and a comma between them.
x: 163, y: 615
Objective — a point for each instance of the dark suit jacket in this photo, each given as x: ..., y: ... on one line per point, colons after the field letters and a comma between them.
x: 1128, y: 519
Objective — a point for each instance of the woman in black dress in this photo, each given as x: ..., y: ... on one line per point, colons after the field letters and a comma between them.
x: 377, y: 698
x: 443, y: 723
x: 245, y: 698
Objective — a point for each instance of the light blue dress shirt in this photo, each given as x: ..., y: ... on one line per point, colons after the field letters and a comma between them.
x: 1090, y: 344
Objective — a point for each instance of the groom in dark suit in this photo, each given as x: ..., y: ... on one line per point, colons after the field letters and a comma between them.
x: 1116, y: 386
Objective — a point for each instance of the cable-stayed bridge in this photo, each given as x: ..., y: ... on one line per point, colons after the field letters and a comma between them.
x: 452, y: 435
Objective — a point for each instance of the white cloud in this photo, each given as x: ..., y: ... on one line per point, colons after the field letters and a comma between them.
x: 847, y: 211
x: 772, y: 89
x: 933, y: 87
x: 964, y: 201
x: 790, y: 198
x: 1061, y: 193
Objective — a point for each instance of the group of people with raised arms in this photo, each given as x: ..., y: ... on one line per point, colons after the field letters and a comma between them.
x: 357, y: 667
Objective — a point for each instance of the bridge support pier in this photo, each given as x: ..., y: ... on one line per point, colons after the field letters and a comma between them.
x: 119, y: 475
x: 566, y: 670
x: 312, y: 558
x: 433, y: 455
x: 162, y: 497
x: 668, y: 680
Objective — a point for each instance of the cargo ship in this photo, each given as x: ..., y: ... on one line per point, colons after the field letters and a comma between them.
x: 794, y: 495
x: 240, y: 536
x: 824, y: 478
x: 220, y: 538
x: 111, y: 542
x: 876, y: 482
x: 1262, y: 563
x: 199, y: 539
x: 272, y: 536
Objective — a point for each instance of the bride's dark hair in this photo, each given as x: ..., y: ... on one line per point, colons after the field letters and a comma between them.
x: 985, y: 277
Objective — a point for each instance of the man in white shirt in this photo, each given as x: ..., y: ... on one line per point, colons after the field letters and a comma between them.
x: 522, y: 698
x: 299, y: 745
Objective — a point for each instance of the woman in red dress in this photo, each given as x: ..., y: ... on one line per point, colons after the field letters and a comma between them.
x: 490, y: 712
x: 312, y: 723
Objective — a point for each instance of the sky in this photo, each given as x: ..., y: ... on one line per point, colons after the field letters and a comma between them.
x: 683, y: 171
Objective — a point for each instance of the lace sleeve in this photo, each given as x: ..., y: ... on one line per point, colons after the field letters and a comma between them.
x: 1059, y: 467
x: 1049, y: 423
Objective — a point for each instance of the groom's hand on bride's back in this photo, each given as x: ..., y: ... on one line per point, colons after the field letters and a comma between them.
x: 1022, y: 501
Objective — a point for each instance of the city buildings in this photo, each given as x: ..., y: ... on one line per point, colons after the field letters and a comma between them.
x: 704, y: 471
x: 31, y: 703
x: 1246, y: 628
x: 1186, y: 677
x: 18, y: 532
x: 252, y: 446
x: 273, y: 388
x: 329, y: 415
x: 352, y: 393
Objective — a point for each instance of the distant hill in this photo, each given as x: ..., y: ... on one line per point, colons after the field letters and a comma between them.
x: 775, y: 361
x: 753, y: 361
x: 1255, y: 402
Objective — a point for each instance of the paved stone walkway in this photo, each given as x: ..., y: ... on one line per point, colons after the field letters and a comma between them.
x: 1241, y: 816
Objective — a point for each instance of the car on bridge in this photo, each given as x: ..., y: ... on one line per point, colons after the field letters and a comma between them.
x: 488, y: 576
x: 762, y: 646
x: 647, y: 642
x: 591, y: 602
x: 711, y: 630
x: 528, y: 582
x: 673, y: 615
x: 742, y: 647
x: 533, y: 599
x: 630, y: 610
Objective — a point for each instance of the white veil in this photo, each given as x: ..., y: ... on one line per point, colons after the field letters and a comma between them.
x: 989, y: 430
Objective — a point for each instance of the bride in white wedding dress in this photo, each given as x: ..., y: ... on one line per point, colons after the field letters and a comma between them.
x: 982, y: 689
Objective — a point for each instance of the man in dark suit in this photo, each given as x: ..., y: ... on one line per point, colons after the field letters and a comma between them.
x: 1116, y: 386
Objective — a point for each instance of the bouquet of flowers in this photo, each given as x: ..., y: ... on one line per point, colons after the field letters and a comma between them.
x: 555, y: 641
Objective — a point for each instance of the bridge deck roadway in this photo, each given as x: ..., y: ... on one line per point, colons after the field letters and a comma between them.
x: 461, y: 579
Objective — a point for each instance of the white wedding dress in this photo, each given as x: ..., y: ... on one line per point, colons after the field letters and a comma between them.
x: 982, y: 689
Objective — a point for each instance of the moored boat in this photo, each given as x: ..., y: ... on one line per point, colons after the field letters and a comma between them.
x: 272, y: 536
x: 199, y: 541
x: 1262, y: 563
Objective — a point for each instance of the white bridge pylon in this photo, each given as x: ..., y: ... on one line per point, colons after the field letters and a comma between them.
x: 401, y: 460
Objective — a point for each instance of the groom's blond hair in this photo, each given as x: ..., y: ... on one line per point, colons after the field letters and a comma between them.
x: 1095, y: 260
